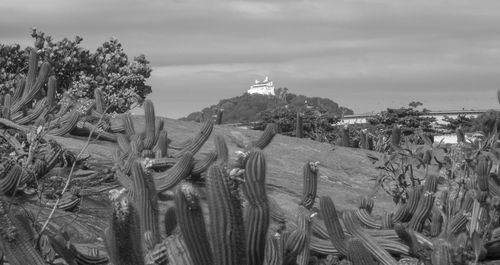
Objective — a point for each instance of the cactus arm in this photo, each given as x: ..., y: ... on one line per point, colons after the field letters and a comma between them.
x: 332, y: 223
x: 168, y: 179
x: 201, y: 165
x: 425, y: 204
x: 266, y: 137
x: 375, y: 249
x: 198, y: 140
x: 66, y: 127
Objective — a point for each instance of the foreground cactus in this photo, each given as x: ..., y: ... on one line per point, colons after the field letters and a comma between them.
x: 332, y: 223
x: 123, y: 237
x: 257, y: 211
x: 143, y: 194
x: 190, y: 219
x: 226, y: 218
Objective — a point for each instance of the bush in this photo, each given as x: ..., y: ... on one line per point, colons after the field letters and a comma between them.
x: 317, y: 126
x: 79, y: 72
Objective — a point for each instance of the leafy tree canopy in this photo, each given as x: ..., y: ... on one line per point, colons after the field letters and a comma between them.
x: 79, y: 72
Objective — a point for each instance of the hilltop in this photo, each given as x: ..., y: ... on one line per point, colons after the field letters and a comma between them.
x: 246, y: 108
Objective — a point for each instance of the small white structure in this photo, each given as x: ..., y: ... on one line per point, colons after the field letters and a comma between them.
x: 264, y: 87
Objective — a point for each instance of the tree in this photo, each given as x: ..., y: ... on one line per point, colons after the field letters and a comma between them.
x: 79, y: 72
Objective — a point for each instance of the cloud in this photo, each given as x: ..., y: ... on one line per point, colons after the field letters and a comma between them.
x: 363, y: 54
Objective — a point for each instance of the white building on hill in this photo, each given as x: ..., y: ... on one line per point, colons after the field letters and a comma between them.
x: 264, y: 87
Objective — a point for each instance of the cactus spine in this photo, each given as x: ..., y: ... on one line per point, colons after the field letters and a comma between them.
x: 226, y: 218
x: 190, y: 219
x: 310, y: 174
x: 257, y: 217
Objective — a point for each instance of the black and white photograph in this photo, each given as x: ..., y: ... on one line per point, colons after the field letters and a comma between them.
x: 249, y: 132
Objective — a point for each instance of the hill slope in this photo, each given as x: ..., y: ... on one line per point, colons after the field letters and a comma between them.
x: 246, y: 108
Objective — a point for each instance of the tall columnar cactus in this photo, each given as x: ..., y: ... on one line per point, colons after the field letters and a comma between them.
x: 483, y: 174
x: 267, y: 136
x: 51, y: 91
x: 150, y: 126
x: 275, y: 248
x: 304, y: 223
x: 143, y: 195
x: 332, y: 223
x: 310, y: 174
x: 299, y: 126
x: 257, y: 215
x: 40, y: 108
x: 18, y: 93
x: 425, y: 204
x: 357, y: 252
x: 198, y: 140
x: 123, y: 236
x: 190, y: 219
x: 168, y: 179
x: 226, y: 218
x: 461, y: 218
x: 161, y: 146
x: 32, y: 85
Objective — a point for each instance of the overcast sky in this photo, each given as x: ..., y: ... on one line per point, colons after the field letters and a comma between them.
x: 365, y: 55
